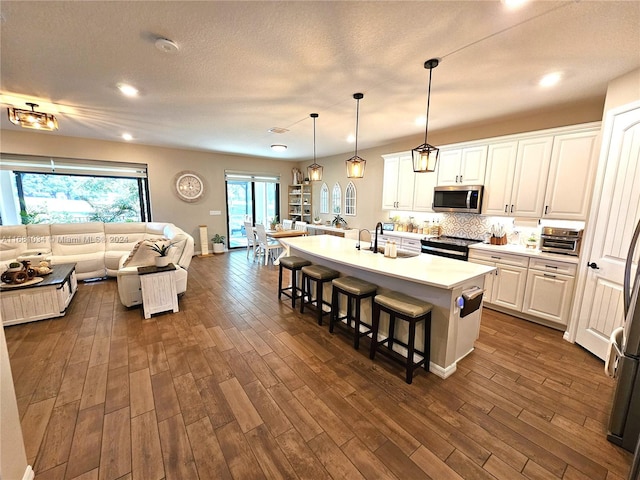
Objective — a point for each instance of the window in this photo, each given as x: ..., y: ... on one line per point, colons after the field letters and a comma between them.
x: 350, y: 199
x: 324, y: 198
x: 336, y: 198
x: 48, y: 190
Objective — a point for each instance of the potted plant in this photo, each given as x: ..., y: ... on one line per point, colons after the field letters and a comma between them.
x: 162, y: 260
x: 218, y: 243
x: 339, y: 222
x: 273, y: 222
x: 317, y: 220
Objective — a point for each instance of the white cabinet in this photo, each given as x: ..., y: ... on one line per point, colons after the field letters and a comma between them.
x: 549, y: 290
x: 539, y: 288
x: 300, y: 202
x: 423, y: 191
x: 462, y: 166
x: 516, y: 177
x: 398, y: 182
x: 571, y: 175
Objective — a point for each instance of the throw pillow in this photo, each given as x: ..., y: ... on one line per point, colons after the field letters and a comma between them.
x: 142, y: 255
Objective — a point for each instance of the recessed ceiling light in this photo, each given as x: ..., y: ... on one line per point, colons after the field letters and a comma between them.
x: 513, y: 4
x: 128, y: 90
x: 278, y: 148
x: 127, y: 136
x: 550, y: 79
x: 351, y: 138
x: 420, y: 120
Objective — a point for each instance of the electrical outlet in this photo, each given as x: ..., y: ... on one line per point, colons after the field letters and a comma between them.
x: 215, y: 212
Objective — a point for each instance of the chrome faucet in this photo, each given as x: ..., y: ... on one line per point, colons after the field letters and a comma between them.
x: 375, y: 243
x: 362, y: 230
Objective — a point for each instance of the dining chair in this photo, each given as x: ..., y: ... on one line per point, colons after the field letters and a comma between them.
x: 302, y: 226
x: 252, y: 242
x: 287, y: 224
x: 266, y: 244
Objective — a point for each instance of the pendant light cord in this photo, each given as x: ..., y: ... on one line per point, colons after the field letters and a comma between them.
x: 357, y: 119
x: 426, y: 128
x: 314, y: 140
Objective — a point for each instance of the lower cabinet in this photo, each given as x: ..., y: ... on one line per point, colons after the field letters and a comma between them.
x: 538, y: 288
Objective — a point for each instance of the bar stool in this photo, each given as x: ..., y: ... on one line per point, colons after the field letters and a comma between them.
x: 355, y: 290
x: 401, y: 306
x: 294, y: 264
x: 319, y: 274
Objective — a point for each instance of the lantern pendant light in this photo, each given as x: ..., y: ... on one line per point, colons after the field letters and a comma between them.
x: 425, y: 156
x: 314, y: 171
x: 355, y: 165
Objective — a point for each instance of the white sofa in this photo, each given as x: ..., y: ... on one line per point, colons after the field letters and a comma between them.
x: 98, y: 250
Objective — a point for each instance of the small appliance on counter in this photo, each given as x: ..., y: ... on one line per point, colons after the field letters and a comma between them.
x: 561, y: 240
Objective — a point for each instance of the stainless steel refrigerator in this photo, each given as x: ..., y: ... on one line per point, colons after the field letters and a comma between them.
x: 623, y: 361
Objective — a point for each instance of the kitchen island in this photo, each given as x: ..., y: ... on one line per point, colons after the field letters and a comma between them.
x: 437, y: 280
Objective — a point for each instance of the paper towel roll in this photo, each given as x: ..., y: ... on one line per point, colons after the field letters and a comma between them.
x: 204, y: 240
x: 614, y: 352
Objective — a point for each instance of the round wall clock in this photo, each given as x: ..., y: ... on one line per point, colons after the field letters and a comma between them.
x: 189, y: 186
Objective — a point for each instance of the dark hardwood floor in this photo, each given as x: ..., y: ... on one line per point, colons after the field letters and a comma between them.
x: 238, y: 385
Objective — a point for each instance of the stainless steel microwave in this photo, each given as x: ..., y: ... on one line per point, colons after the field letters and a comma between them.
x: 458, y: 198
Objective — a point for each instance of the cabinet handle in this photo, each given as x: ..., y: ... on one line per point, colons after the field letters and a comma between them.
x: 499, y: 258
x: 546, y: 209
x: 511, y: 208
x: 457, y: 178
x: 549, y: 276
x: 551, y: 266
x: 506, y: 207
x: 460, y: 178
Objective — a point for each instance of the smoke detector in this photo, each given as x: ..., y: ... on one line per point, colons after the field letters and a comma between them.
x: 166, y: 46
x: 278, y: 130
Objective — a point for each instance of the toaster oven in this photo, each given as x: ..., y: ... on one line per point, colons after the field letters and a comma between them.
x: 561, y: 240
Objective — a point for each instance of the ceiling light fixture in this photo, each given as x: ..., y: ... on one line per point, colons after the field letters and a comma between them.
x: 32, y: 119
x: 425, y: 156
x: 166, y: 46
x: 278, y: 147
x: 355, y: 165
x: 314, y: 171
x: 550, y: 79
x: 128, y: 90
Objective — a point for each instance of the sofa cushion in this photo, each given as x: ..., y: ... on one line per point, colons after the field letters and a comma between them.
x: 13, y: 242
x: 77, y: 238
x: 39, y: 237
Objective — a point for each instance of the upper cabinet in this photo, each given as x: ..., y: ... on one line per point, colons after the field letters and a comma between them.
x: 398, y: 182
x: 516, y: 177
x: 462, y: 166
x: 571, y: 175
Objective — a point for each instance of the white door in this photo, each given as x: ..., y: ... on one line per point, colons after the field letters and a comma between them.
x: 530, y: 178
x: 449, y: 168
x: 406, y: 178
x: 390, y: 182
x: 600, y: 304
x: 501, y: 163
x: 473, y: 165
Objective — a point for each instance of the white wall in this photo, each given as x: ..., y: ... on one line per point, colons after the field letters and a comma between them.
x: 13, y: 458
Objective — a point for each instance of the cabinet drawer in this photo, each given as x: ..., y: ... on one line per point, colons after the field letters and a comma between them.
x: 411, y: 245
x: 504, y: 258
x: 553, y: 266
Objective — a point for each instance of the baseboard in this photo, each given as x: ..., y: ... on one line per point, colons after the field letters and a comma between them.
x: 28, y: 473
x: 442, y: 372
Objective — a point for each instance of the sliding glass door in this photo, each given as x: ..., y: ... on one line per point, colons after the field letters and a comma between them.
x: 250, y: 198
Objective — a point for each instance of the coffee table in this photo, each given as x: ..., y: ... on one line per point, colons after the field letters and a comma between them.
x: 39, y: 300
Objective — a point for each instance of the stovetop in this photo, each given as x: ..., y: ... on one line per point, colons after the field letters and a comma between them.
x: 457, y: 241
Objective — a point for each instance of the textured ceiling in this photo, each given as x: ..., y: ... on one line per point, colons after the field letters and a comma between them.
x: 244, y: 67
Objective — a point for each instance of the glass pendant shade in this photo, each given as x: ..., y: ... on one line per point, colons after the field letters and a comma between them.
x: 355, y: 165
x: 314, y: 171
x: 32, y: 119
x: 425, y: 158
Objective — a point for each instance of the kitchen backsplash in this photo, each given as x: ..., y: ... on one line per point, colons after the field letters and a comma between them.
x: 466, y: 225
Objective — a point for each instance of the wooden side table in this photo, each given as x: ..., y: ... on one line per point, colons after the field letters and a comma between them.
x: 158, y: 289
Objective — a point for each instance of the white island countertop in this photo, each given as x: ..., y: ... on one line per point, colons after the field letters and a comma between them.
x: 429, y: 270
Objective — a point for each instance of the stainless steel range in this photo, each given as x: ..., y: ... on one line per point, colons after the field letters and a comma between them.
x: 450, y: 247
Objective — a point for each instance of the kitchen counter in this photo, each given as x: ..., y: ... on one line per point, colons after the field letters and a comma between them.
x: 437, y: 280
x: 522, y: 250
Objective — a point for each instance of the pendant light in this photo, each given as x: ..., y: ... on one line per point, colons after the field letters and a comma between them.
x: 355, y: 165
x: 314, y: 171
x: 425, y: 156
x: 33, y: 119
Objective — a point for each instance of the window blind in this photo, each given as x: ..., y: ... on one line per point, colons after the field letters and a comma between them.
x: 71, y: 166
x: 251, y: 177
